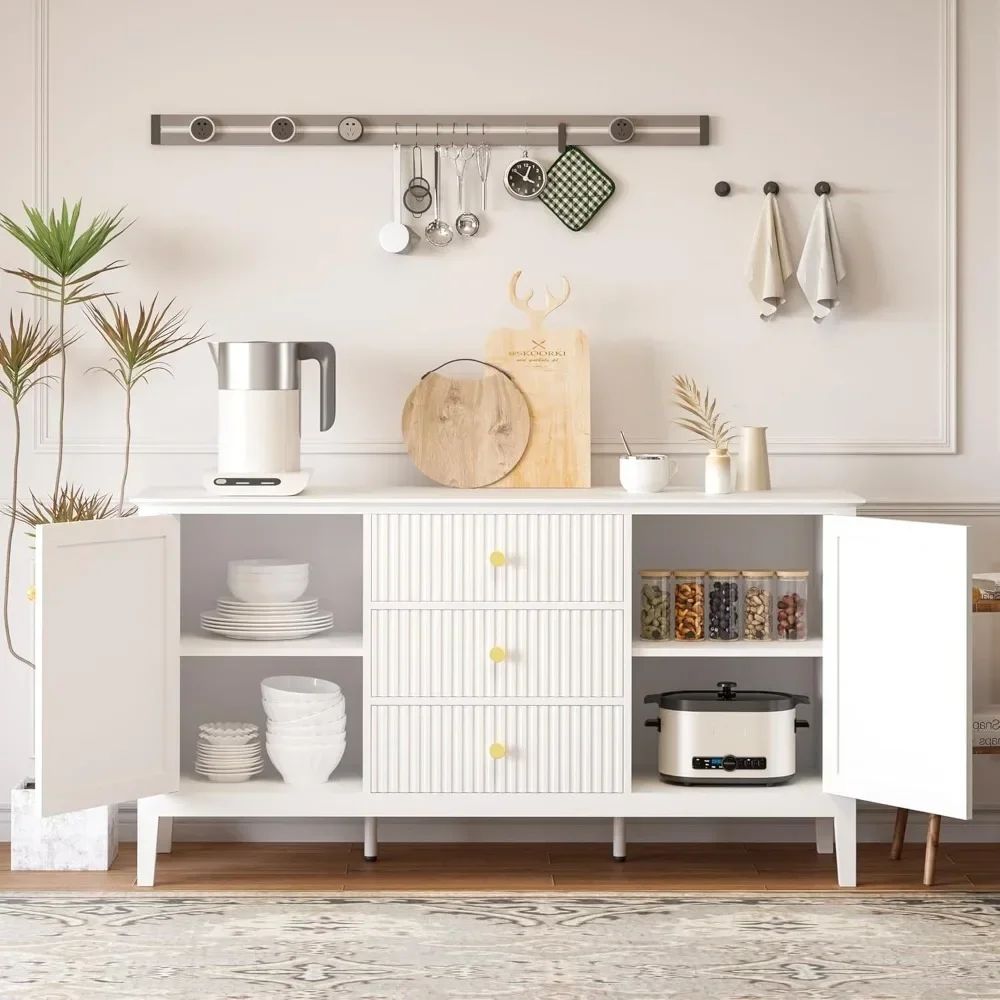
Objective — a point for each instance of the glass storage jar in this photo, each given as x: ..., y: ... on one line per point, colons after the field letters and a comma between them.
x: 689, y: 604
x: 758, y: 604
x: 723, y: 604
x: 654, y: 604
x: 791, y: 619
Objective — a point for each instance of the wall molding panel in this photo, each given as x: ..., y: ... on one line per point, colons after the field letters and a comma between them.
x: 944, y: 441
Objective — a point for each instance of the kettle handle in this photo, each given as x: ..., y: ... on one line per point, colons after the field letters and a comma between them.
x: 321, y: 351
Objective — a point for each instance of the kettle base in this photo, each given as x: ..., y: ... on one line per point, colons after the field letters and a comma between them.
x: 278, y: 484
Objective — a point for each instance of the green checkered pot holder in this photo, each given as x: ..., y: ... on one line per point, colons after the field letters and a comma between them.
x: 576, y: 189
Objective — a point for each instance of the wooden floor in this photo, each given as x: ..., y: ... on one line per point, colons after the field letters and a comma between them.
x: 521, y: 868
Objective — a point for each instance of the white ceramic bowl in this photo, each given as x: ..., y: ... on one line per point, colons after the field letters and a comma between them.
x: 268, y: 566
x: 296, y: 690
x: 266, y: 590
x: 307, y: 739
x: 307, y: 728
x: 305, y: 713
x: 305, y: 765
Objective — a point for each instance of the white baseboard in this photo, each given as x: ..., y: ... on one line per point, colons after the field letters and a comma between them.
x: 874, y: 826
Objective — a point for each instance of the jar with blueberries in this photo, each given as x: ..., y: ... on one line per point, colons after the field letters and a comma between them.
x: 722, y: 604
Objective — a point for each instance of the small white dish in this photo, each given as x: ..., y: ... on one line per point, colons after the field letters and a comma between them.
x: 238, y: 632
x: 305, y: 604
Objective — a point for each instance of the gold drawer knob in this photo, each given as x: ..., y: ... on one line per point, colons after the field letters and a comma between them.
x: 497, y: 751
x: 498, y: 559
x: 498, y: 654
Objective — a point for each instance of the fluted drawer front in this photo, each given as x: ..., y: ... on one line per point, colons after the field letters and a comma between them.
x: 497, y: 557
x: 429, y: 653
x: 497, y: 748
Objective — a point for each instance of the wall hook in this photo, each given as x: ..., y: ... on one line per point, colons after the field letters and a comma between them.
x: 722, y: 188
x: 771, y: 187
x: 822, y: 187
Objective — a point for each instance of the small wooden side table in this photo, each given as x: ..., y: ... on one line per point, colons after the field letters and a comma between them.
x: 933, y: 831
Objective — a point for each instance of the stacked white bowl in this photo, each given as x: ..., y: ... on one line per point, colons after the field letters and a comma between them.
x: 306, y: 727
x: 267, y: 581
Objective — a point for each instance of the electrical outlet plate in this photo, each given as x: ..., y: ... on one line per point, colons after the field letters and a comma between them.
x: 350, y: 129
x: 282, y: 129
x: 621, y: 130
x: 202, y: 129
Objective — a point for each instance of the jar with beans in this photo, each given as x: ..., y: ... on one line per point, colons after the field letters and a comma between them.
x: 723, y: 600
x: 689, y: 605
x: 654, y: 604
x: 791, y: 622
x: 758, y: 604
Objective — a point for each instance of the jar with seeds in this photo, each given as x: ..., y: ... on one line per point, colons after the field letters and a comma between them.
x: 791, y: 623
x: 654, y: 604
x: 689, y: 605
x: 758, y: 604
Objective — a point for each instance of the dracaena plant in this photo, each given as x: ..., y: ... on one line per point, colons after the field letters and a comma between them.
x: 64, y: 249
x: 25, y: 351
x: 140, y: 345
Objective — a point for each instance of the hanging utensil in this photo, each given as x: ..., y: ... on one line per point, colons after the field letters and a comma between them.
x: 483, y: 163
x: 417, y: 198
x: 438, y: 233
x: 467, y: 224
x: 394, y: 237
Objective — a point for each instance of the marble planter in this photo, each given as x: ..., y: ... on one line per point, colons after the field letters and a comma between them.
x: 85, y: 841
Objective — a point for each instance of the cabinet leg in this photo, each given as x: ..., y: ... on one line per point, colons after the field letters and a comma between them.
x: 165, y: 835
x: 930, y: 852
x: 147, y: 827
x: 824, y: 835
x: 618, y: 840
x: 898, y: 834
x: 371, y: 838
x: 845, y: 830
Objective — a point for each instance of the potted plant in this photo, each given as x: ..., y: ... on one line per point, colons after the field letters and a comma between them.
x: 704, y: 420
x: 85, y: 840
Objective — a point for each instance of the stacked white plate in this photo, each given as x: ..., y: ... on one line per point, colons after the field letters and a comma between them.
x: 228, y: 751
x: 306, y: 727
x: 267, y: 603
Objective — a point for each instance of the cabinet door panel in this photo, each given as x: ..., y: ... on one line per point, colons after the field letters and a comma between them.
x: 495, y: 653
x: 436, y: 558
x: 896, y: 666
x: 547, y: 748
x: 106, y: 643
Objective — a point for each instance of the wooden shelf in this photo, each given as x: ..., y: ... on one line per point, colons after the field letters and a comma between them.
x: 328, y: 644
x: 806, y: 649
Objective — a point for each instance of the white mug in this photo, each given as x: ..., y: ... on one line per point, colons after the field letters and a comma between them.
x: 646, y: 473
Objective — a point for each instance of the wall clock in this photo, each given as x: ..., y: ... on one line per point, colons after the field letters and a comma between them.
x: 525, y: 178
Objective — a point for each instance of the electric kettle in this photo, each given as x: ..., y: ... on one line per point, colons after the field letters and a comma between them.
x: 260, y: 414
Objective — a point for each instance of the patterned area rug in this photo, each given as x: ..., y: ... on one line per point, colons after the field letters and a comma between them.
x: 540, y: 947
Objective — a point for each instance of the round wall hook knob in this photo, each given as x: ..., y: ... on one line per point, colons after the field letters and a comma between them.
x: 771, y: 187
x: 822, y: 187
x: 498, y: 751
x: 498, y: 559
x: 722, y: 188
x: 498, y: 654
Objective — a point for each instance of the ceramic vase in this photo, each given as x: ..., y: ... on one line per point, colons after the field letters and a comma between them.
x: 718, y: 472
x: 752, y: 470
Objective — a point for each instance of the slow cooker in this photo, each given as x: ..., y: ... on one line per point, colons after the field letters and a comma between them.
x: 727, y: 737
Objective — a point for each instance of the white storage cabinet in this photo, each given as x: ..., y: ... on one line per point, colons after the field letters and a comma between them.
x: 497, y: 656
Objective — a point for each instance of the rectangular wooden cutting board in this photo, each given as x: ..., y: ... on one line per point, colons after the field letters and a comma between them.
x: 552, y: 369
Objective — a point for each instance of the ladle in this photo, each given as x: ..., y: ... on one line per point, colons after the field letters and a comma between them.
x: 467, y: 223
x: 438, y: 233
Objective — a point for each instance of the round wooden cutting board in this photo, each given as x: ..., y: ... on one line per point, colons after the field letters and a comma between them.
x: 466, y: 432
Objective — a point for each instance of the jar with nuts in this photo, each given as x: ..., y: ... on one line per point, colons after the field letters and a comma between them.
x: 758, y: 604
x: 791, y: 622
x: 723, y: 599
x: 689, y: 605
x: 654, y: 606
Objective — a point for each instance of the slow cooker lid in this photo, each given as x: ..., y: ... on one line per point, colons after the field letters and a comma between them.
x: 727, y: 699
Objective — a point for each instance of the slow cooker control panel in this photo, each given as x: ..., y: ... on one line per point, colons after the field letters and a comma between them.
x: 729, y: 763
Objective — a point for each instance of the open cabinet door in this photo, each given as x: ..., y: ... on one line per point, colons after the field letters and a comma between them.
x: 896, y: 666
x: 107, y: 632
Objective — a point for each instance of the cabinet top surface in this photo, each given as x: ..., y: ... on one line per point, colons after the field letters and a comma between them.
x: 416, y: 499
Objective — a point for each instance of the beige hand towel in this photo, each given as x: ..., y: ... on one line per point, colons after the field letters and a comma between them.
x: 770, y: 263
x: 821, y: 268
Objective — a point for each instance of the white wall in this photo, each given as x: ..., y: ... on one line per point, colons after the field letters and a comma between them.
x: 894, y: 396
